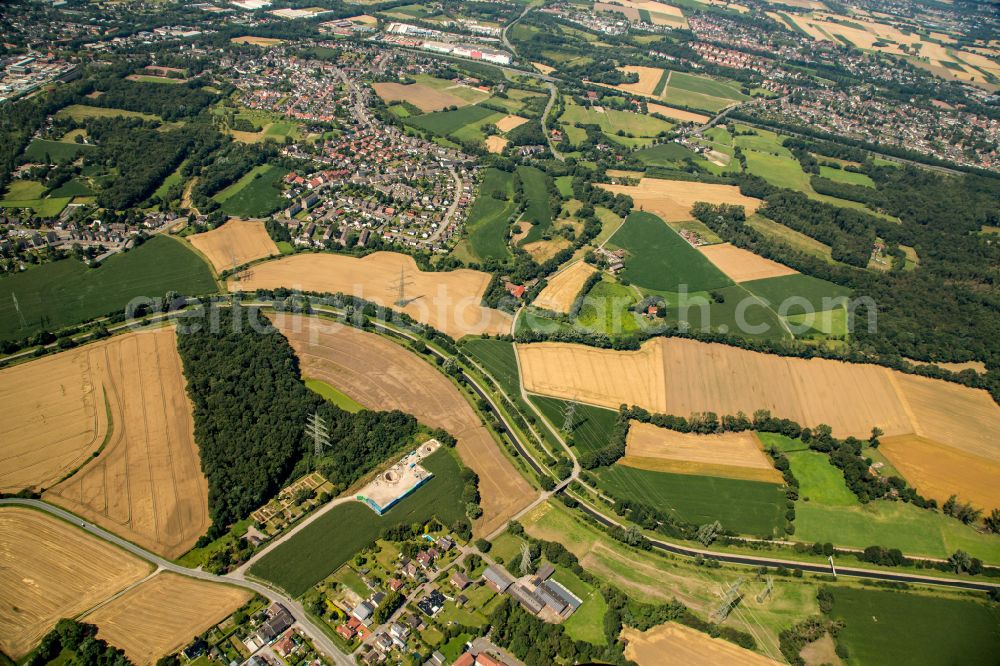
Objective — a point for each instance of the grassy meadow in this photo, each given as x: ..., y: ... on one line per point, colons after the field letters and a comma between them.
x: 67, y: 292
x: 326, y: 543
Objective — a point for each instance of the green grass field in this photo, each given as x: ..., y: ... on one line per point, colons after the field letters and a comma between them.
x: 565, y: 185
x: 487, y: 221
x: 795, y: 239
x: 592, y: 426
x: 661, y: 260
x: 819, y: 481
x: 72, y: 188
x: 606, y: 310
x: 887, y: 627
x: 611, y: 120
x: 23, y: 190
x: 332, y: 395
x: 256, y: 194
x: 833, y: 513
x: 497, y: 357
x: 539, y: 211
x: 449, y: 122
x: 747, y: 507
x: 664, y: 155
x: 66, y: 292
x: 702, y: 311
x: 325, y: 544
x: 587, y: 623
x: 820, y: 294
x: 81, y: 111
x: 57, y: 151
x: 706, y: 86
x: 849, y: 177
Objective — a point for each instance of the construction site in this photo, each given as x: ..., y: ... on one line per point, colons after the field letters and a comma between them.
x: 398, y: 481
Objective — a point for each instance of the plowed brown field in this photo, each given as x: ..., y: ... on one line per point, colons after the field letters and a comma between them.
x: 146, y: 485
x: 380, y: 374
x: 163, y: 614
x: 675, y: 644
x: 52, y: 418
x: 563, y: 288
x: 235, y: 243
x: 677, y: 376
x: 672, y: 199
x: 50, y: 570
x: 741, y: 265
x: 449, y: 301
x: 735, y: 455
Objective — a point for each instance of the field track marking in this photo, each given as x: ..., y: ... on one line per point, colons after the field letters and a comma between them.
x: 666, y: 86
x: 901, y: 395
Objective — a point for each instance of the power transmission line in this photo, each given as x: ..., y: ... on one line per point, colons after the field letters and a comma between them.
x: 316, y: 427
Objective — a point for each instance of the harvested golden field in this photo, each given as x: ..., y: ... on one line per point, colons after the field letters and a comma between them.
x: 448, y: 301
x: 162, y: 614
x: 940, y: 471
x: 631, y: 13
x: 544, y: 69
x: 681, y: 377
x: 235, y: 243
x: 563, y: 287
x: 496, y: 143
x: 648, y: 78
x: 49, y: 570
x: 146, y: 485
x: 735, y: 455
x: 955, y: 415
x: 676, y: 114
x: 423, y: 97
x: 741, y: 265
x: 623, y: 173
x: 674, y: 643
x: 52, y: 418
x: 507, y: 123
x: 380, y: 374
x: 257, y: 41
x: 672, y: 199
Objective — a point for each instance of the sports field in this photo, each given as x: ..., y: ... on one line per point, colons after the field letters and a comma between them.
x: 424, y: 97
x: 746, y: 507
x: 659, y: 259
x: 686, y: 646
x: 379, y: 374
x: 161, y: 615
x: 564, y: 287
x: 677, y: 376
x: 67, y: 292
x: 673, y: 199
x: 487, y: 222
x: 734, y: 455
x: 887, y: 627
x: 49, y: 570
x: 324, y: 545
x: 146, y: 485
x: 256, y: 194
x: 449, y: 301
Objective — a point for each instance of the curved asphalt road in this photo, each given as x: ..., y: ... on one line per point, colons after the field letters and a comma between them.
x: 319, y: 639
